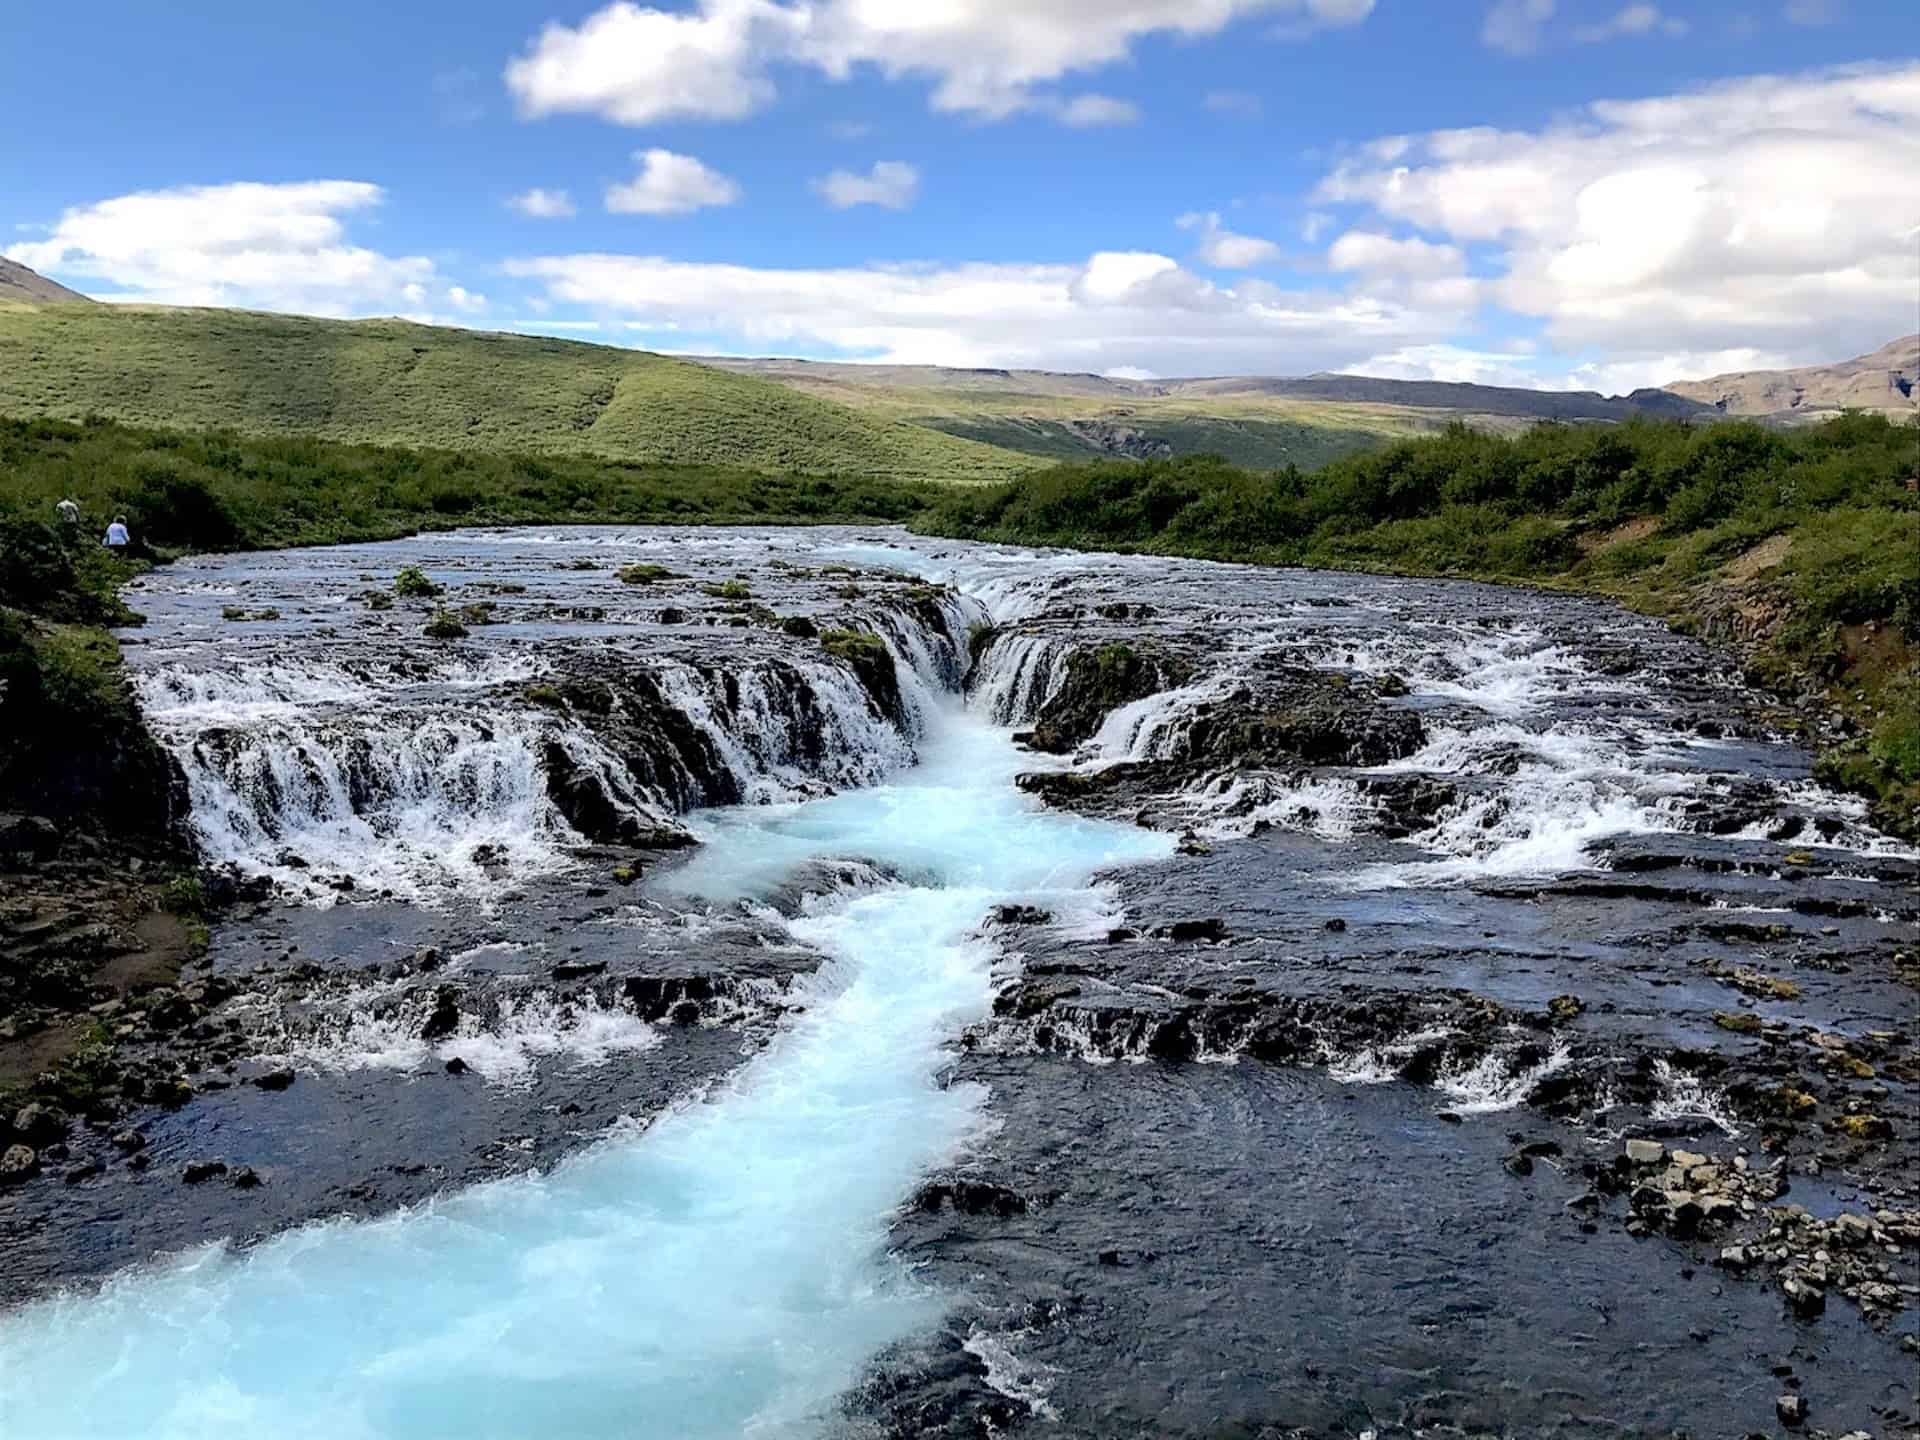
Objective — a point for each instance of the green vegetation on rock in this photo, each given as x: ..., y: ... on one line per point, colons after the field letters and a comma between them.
x: 412, y: 584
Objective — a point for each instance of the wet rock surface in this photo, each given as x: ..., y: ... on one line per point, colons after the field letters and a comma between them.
x: 1516, y: 1007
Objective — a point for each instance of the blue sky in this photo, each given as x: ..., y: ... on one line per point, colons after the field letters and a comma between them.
x: 1524, y: 191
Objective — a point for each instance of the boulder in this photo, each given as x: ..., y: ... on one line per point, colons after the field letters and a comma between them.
x: 39, y: 1123
x: 18, y: 1164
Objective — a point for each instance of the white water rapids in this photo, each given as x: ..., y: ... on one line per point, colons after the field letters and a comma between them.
x: 719, y: 1273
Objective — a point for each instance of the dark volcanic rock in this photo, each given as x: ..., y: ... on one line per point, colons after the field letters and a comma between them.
x: 1098, y: 682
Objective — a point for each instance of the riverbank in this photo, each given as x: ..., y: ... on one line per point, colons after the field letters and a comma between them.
x: 1796, y: 548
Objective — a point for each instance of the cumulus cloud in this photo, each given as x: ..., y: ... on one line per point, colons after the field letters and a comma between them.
x: 1222, y: 248
x: 1631, y: 21
x: 1454, y: 364
x: 1117, y: 309
x: 260, y: 246
x: 636, y: 65
x: 1751, y: 213
x: 890, y: 184
x: 670, y: 184
x: 539, y: 204
x: 1516, y: 26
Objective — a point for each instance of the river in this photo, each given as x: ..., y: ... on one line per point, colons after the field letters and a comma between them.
x: 1123, y: 996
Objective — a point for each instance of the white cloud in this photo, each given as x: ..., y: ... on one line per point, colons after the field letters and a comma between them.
x: 670, y: 184
x: 1222, y: 248
x: 1620, y: 377
x: 1086, y: 112
x: 1408, y: 270
x: 464, y: 300
x: 1515, y: 26
x: 1454, y: 364
x: 1383, y: 254
x: 540, y: 204
x: 1631, y: 21
x: 267, y: 247
x: 1769, y: 212
x: 1134, y: 309
x: 1242, y: 104
x: 636, y: 66
x: 891, y: 184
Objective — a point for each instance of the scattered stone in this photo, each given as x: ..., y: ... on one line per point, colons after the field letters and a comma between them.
x: 279, y: 1079
x: 457, y: 1066
x: 1807, y: 1300
x: 1212, y: 931
x: 247, y: 1178
x: 1792, y: 1410
x: 203, y: 1170
x: 1562, y: 1008
x: 128, y: 1141
x: 18, y: 1164
x: 1646, y: 1152
x: 39, y: 1124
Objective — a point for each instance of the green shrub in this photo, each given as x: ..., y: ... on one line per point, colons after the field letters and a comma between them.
x: 412, y: 583
x: 444, y: 626
x: 728, y: 590
x: 643, y: 574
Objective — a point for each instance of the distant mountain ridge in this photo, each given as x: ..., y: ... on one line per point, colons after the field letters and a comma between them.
x: 17, y: 282
x: 1339, y: 389
x: 1888, y: 380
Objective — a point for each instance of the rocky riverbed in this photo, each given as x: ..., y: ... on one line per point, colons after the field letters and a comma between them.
x: 1511, y: 1038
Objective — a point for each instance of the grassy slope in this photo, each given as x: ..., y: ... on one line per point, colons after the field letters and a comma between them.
x: 1798, y: 546
x: 1262, y: 432
x: 388, y: 381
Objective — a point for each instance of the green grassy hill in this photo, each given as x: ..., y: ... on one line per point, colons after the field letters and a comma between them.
x: 395, y: 383
x: 1063, y: 417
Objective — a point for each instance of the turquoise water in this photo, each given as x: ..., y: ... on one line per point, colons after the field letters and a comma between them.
x: 721, y: 1272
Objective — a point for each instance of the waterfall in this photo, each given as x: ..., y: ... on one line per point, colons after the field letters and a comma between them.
x: 427, y: 779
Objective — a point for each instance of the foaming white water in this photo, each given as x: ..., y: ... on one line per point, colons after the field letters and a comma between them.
x: 1682, y: 1095
x: 416, y: 805
x: 1498, y: 1080
x: 719, y: 1274
x: 1156, y: 727
x: 1504, y: 672
x: 1018, y: 675
x: 378, y: 1025
x: 1545, y: 799
x: 780, y: 742
x: 1329, y: 806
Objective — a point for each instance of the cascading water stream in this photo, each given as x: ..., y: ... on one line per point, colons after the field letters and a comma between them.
x: 718, y: 1273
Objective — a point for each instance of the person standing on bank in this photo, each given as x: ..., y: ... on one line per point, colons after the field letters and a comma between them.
x: 69, y: 512
x: 117, y: 537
